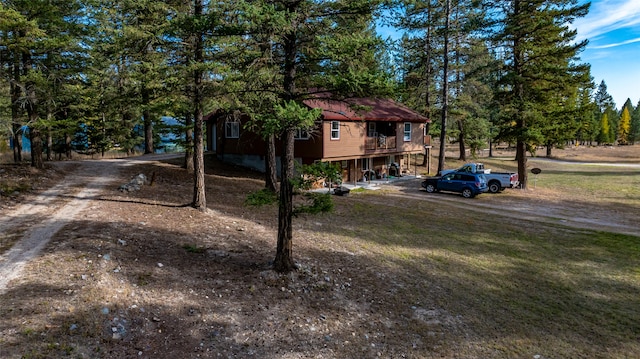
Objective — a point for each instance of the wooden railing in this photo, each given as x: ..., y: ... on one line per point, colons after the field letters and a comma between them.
x: 380, y: 143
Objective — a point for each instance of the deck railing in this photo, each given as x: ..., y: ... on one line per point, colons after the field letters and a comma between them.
x: 380, y: 143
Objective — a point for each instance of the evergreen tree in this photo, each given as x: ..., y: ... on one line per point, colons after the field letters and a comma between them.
x: 313, y: 45
x: 444, y: 37
x: 634, y: 133
x: 589, y: 124
x: 539, y: 68
x: 604, y: 137
x: 42, y: 56
x: 205, y: 39
x: 624, y: 127
x: 602, y: 98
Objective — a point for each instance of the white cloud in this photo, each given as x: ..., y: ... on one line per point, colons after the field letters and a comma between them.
x: 606, y: 16
x: 617, y: 44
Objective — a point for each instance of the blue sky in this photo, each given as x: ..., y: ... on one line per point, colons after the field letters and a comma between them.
x: 613, y: 30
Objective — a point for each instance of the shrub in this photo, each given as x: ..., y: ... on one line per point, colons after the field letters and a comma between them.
x: 261, y: 198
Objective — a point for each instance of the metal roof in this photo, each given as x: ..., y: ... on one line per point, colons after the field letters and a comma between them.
x: 365, y: 109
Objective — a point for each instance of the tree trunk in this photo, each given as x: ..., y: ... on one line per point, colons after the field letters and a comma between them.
x: 549, y: 148
x: 461, y: 145
x: 521, y: 146
x: 15, y: 114
x: 17, y: 143
x: 521, y: 155
x: 148, y: 130
x: 49, y: 143
x: 426, y: 151
x: 284, y: 251
x: 199, y: 197
x: 67, y: 146
x: 271, y: 176
x: 445, y: 88
x: 188, y: 143
x: 32, y: 114
x: 427, y: 100
x: 36, y: 148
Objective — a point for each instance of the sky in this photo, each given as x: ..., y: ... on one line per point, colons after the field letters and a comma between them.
x: 613, y: 30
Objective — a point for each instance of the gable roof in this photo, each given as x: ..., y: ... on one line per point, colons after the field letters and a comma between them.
x: 385, y: 110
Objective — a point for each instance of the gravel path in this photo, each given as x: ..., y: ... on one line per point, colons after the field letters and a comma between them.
x: 49, y: 212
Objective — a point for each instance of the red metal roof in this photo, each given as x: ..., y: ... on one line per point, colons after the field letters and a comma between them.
x: 385, y: 110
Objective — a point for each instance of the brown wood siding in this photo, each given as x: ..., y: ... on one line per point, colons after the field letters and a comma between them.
x: 309, y: 150
x: 350, y: 144
x: 417, y: 138
x: 352, y: 141
x: 248, y: 143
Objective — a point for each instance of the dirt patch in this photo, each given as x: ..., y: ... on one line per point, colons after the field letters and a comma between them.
x: 142, y: 275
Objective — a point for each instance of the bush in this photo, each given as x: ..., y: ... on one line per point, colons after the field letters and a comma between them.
x: 320, y: 203
x: 261, y: 198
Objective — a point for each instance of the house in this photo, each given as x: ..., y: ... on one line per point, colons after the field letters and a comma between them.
x: 369, y: 138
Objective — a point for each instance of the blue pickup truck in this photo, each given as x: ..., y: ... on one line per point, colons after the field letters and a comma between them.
x: 469, y: 184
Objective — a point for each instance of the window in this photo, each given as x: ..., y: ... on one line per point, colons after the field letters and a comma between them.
x: 372, y: 130
x: 232, y: 128
x: 407, y: 131
x: 301, y: 134
x: 335, y: 130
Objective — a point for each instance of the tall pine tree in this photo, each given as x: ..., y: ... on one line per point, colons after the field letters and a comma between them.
x: 314, y: 46
x: 540, y: 66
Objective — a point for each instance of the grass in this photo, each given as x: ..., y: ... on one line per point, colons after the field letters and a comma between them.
x: 11, y: 187
x: 564, y: 292
x: 521, y: 288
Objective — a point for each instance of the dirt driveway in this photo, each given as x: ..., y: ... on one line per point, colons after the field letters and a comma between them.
x: 38, y: 220
x: 529, y: 205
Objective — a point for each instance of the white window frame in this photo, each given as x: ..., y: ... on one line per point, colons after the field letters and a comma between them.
x: 335, y: 130
x: 232, y: 128
x: 301, y: 134
x: 407, y: 133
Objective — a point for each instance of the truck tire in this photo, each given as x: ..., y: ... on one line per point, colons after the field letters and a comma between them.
x: 495, y: 187
x: 467, y: 193
x: 430, y: 188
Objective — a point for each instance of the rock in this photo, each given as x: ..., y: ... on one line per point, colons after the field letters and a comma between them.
x: 135, y: 184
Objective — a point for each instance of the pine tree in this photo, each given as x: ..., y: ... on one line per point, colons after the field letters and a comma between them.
x: 634, y: 133
x: 604, y: 137
x: 439, y: 62
x: 589, y: 124
x: 17, y: 33
x: 539, y: 69
x: 602, y: 98
x: 313, y: 45
x: 42, y: 56
x: 624, y: 127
